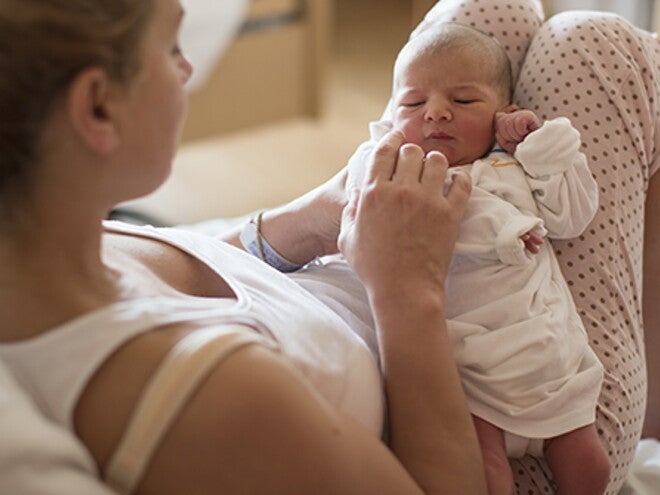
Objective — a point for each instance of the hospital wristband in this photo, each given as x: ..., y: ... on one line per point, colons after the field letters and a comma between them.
x: 255, y: 244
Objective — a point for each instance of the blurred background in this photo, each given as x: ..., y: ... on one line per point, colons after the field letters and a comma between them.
x: 639, y: 12
x: 289, y: 100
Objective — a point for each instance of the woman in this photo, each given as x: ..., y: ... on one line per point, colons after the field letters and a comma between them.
x: 607, y: 291
x: 217, y: 355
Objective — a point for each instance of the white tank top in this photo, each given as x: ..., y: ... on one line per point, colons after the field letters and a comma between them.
x: 54, y: 367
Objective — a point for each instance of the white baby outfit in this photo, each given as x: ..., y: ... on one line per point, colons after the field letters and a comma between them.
x: 522, y: 351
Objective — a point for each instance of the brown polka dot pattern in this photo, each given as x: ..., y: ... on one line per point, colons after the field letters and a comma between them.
x: 603, y: 74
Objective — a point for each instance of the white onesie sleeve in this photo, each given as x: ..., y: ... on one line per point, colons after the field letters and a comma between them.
x: 491, y: 229
x: 565, y: 191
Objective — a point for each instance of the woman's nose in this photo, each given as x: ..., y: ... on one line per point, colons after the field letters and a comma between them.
x: 186, y: 68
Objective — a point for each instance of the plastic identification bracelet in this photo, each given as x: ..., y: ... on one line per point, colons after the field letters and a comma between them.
x: 255, y: 244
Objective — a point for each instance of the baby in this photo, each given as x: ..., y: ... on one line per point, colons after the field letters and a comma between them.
x: 531, y: 379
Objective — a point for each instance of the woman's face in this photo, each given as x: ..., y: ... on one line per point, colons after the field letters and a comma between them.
x: 156, y: 100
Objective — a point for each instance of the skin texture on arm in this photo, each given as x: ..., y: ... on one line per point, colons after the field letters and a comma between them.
x: 651, y: 308
x: 255, y: 426
x: 307, y: 227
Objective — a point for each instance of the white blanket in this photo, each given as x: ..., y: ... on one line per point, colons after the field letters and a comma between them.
x: 644, y: 476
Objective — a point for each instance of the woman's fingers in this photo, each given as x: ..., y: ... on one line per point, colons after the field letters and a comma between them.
x: 459, y: 190
x: 410, y: 164
x: 394, y: 161
x: 384, y: 158
x: 434, y: 171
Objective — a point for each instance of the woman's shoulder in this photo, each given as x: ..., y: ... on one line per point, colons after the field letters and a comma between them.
x: 250, y: 419
x: 162, y: 363
x: 256, y: 425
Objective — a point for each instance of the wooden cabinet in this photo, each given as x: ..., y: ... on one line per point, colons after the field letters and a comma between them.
x: 273, y: 70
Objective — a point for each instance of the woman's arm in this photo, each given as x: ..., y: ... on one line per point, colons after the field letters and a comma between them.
x: 651, y: 307
x: 256, y: 426
x: 306, y: 227
x: 398, y: 236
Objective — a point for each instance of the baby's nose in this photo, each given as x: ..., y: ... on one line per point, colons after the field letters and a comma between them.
x: 438, y: 112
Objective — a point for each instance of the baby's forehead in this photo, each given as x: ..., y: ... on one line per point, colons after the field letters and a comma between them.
x: 450, y: 39
x: 425, y: 54
x: 454, y: 51
x: 454, y: 63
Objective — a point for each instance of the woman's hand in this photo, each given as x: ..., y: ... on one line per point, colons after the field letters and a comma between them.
x: 323, y: 218
x: 398, y: 234
x: 401, y: 227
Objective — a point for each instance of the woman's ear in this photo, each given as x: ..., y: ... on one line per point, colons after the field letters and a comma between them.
x: 92, y: 103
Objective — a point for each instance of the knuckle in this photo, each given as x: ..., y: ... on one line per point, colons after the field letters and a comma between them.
x: 384, y: 150
x: 463, y: 182
x: 373, y: 196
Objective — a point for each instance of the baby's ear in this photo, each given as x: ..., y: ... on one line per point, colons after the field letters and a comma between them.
x: 510, y: 108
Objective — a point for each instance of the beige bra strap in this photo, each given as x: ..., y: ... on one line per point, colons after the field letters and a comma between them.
x: 179, y: 375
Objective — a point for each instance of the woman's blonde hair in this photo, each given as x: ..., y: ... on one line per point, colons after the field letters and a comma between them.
x: 44, y: 44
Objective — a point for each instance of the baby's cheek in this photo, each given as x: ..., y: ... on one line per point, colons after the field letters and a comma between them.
x: 412, y: 131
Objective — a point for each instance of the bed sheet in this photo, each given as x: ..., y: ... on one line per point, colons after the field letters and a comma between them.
x: 644, y: 475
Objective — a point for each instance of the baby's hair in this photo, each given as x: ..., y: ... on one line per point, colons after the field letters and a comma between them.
x: 451, y: 35
x: 44, y: 44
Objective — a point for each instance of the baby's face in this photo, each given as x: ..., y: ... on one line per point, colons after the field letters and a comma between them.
x: 447, y: 103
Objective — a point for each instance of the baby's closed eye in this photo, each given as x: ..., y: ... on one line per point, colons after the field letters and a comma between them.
x: 410, y: 104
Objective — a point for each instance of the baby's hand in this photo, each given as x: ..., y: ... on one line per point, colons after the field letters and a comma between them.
x: 511, y: 127
x: 532, y: 242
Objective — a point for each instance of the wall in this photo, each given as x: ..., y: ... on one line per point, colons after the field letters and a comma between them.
x: 639, y: 12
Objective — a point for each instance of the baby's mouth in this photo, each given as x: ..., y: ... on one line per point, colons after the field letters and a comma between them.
x: 440, y: 135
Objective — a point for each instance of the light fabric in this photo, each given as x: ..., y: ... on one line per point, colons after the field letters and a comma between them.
x: 522, y: 352
x: 644, y: 477
x: 37, y: 456
x: 54, y: 367
x: 517, y: 446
